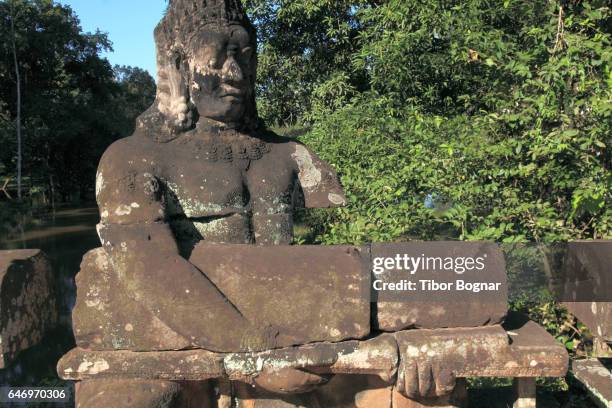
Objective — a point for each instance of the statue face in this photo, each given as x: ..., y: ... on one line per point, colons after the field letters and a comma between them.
x: 222, y: 65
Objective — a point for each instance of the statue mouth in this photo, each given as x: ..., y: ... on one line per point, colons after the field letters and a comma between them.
x: 230, y: 92
x: 214, y: 85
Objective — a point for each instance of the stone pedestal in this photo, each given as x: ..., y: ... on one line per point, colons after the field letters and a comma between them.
x: 27, y: 302
x: 389, y: 369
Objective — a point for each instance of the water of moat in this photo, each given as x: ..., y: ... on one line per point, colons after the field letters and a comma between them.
x: 64, y: 236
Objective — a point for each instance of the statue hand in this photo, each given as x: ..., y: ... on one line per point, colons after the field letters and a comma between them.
x: 425, y: 378
x: 289, y: 381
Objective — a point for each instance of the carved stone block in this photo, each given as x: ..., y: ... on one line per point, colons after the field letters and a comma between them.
x: 596, y: 376
x: 27, y: 301
x: 376, y: 357
x: 442, y: 262
x: 308, y: 293
x: 106, y: 318
x: 431, y: 360
x: 586, y: 275
x: 597, y: 316
x: 323, y: 301
x: 587, y: 279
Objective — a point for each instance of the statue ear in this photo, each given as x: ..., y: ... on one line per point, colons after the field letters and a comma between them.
x: 173, y: 99
x: 172, y: 112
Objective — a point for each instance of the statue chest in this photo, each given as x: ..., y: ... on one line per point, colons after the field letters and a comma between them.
x: 200, y: 189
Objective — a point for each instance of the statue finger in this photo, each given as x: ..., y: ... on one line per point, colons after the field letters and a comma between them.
x: 445, y: 380
x: 426, y: 382
x: 409, y: 380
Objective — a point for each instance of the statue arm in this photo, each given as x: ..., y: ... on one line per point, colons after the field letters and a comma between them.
x: 318, y: 179
x: 144, y: 254
x: 314, y: 184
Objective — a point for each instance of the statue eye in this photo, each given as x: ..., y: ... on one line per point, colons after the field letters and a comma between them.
x: 232, y: 49
x: 211, y: 56
x: 247, y: 52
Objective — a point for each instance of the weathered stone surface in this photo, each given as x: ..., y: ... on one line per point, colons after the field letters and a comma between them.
x: 289, y: 381
x: 354, y: 391
x: 596, y: 377
x: 586, y: 275
x: 374, y: 398
x: 274, y: 286
x: 523, y: 349
x: 430, y: 360
x: 532, y: 353
x: 106, y: 318
x: 587, y: 278
x: 335, y: 292
x: 192, y: 365
x: 472, y: 262
x: 376, y: 357
x: 27, y: 301
x: 246, y: 396
x: 597, y: 316
x: 456, y: 399
x: 132, y: 394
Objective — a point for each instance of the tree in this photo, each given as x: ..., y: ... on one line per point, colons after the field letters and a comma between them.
x: 302, y: 45
x: 13, y: 16
x: 498, y: 112
x: 136, y: 93
x: 74, y: 105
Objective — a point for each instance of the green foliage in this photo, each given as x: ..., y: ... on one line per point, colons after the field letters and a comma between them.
x: 302, y: 44
x: 136, y: 92
x: 497, y: 113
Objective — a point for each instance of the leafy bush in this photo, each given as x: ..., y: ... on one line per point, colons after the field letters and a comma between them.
x: 495, y: 114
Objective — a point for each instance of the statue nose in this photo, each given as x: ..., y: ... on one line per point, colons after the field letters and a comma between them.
x: 231, y: 71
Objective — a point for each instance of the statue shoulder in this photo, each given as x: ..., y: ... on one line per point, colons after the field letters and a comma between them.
x: 282, y: 146
x: 273, y: 139
x: 132, y: 153
x: 127, y: 189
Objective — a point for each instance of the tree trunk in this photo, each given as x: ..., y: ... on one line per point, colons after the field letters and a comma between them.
x: 52, y: 191
x: 18, y: 120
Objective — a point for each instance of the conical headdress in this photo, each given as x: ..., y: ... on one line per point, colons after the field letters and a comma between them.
x: 185, y: 17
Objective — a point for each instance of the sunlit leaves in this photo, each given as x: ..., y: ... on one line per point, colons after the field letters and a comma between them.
x: 472, y: 109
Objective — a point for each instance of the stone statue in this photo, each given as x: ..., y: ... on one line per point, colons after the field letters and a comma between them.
x: 200, y: 168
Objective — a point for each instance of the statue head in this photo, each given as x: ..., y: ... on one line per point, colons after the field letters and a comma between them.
x: 206, y: 62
